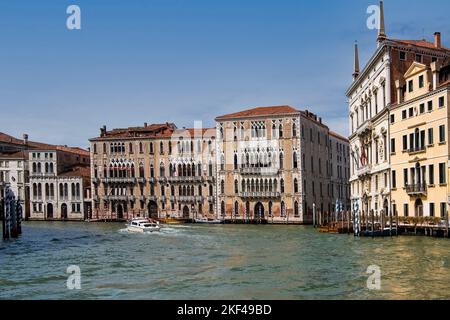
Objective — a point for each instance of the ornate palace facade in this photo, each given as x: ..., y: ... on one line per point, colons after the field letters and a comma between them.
x: 156, y: 170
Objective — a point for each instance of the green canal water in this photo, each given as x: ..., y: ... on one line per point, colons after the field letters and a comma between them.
x: 218, y: 262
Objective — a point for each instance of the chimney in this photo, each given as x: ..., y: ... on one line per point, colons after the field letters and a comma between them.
x: 145, y: 124
x: 320, y: 120
x: 103, y: 131
x: 25, y: 139
x: 437, y: 40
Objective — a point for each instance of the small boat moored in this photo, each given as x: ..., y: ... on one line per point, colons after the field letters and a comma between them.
x: 143, y: 226
x: 208, y: 221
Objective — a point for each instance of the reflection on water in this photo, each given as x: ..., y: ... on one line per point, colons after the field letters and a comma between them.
x: 218, y: 262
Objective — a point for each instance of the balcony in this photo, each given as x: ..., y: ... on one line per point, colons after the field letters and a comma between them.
x: 180, y: 179
x: 270, y: 171
x: 210, y: 179
x: 140, y: 180
x: 152, y: 198
x: 152, y: 180
x: 416, y: 150
x: 119, y: 180
x: 417, y: 189
x: 162, y: 179
x: 120, y: 198
x: 365, y: 128
x: 364, y: 170
x: 142, y: 198
x: 199, y: 199
x: 260, y: 195
x: 210, y: 199
x: 172, y: 199
x: 96, y: 180
x: 186, y: 199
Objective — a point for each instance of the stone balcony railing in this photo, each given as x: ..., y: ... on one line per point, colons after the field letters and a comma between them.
x: 415, y: 150
x: 210, y: 199
x: 119, y: 180
x: 260, y: 195
x: 186, y: 199
x: 364, y: 170
x: 416, y: 189
x: 120, y: 198
x: 365, y: 128
x: 270, y: 171
x: 185, y: 179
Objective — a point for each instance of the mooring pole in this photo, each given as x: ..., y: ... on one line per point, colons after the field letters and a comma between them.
x: 314, y: 215
x: 373, y: 222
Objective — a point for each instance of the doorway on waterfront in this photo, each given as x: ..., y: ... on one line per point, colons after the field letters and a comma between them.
x: 64, y: 211
x: 185, y: 212
x: 49, y: 211
x: 419, y: 208
x: 153, y: 209
x: 386, y: 207
x: 259, y: 211
x: 119, y: 211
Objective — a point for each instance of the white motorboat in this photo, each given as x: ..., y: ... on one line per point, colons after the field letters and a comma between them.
x: 143, y: 226
x: 208, y: 221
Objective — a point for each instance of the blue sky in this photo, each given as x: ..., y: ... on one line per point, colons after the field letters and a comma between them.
x: 184, y: 60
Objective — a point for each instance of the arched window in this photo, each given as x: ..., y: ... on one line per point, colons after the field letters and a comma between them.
x: 162, y: 170
x: 200, y: 190
x: 296, y: 213
x: 161, y: 147
x: 282, y: 185
x: 66, y: 190
x: 151, y: 148
x: 163, y: 189
x: 236, y: 187
x: 78, y: 194
x: 72, y: 187
x: 39, y: 168
x: 52, y: 190
x: 280, y: 131
x: 39, y: 190
x: 283, y: 209
x: 172, y: 190
x: 210, y: 190
x: 222, y: 208
x: 95, y: 148
x: 281, y: 161
x: 46, y: 167
x: 61, y: 190
x: 294, y: 130
x: 141, y: 170
x: 34, y: 167
x: 104, y: 148
x: 51, y: 168
x: 236, y: 209
x: 295, y: 185
x: 210, y: 169
x: 295, y: 161
x: 222, y: 162
x: 222, y: 187
x: 130, y: 147
x: 235, y: 162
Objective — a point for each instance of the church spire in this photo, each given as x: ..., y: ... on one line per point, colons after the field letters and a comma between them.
x: 382, y: 31
x: 356, y: 70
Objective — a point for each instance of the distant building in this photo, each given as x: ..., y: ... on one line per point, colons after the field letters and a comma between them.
x: 371, y: 96
x: 274, y: 164
x: 34, y: 170
x: 420, y: 149
x: 156, y: 170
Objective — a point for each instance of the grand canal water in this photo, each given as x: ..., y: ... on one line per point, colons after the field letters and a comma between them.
x: 219, y: 262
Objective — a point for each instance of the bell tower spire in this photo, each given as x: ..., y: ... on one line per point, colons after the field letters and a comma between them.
x: 356, y: 69
x: 382, y: 31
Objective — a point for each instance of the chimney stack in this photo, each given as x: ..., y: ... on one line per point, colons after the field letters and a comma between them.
x: 103, y: 131
x: 25, y: 139
x: 437, y: 40
x: 145, y: 124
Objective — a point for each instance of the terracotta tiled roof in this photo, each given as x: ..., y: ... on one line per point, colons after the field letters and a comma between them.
x: 14, y: 155
x: 194, y: 132
x: 164, y: 130
x: 446, y: 83
x: 6, y: 138
x: 260, y: 112
x: 338, y: 136
x: 76, y: 150
x: 420, y: 43
x: 77, y: 171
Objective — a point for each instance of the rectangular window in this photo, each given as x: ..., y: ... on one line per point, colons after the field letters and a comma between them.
x: 422, y: 108
x: 430, y: 136
x: 410, y: 86
x: 430, y: 106
x: 411, y: 112
x: 419, y: 58
x: 403, y: 114
x: 405, y: 210
x: 432, y: 210
x: 405, y: 177
x: 431, y: 174
x: 442, y: 174
x: 443, y: 209
x: 442, y: 134
x: 402, y: 55
x: 421, y: 82
x: 405, y: 143
x: 441, y: 102
x: 392, y: 145
x: 394, y: 179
